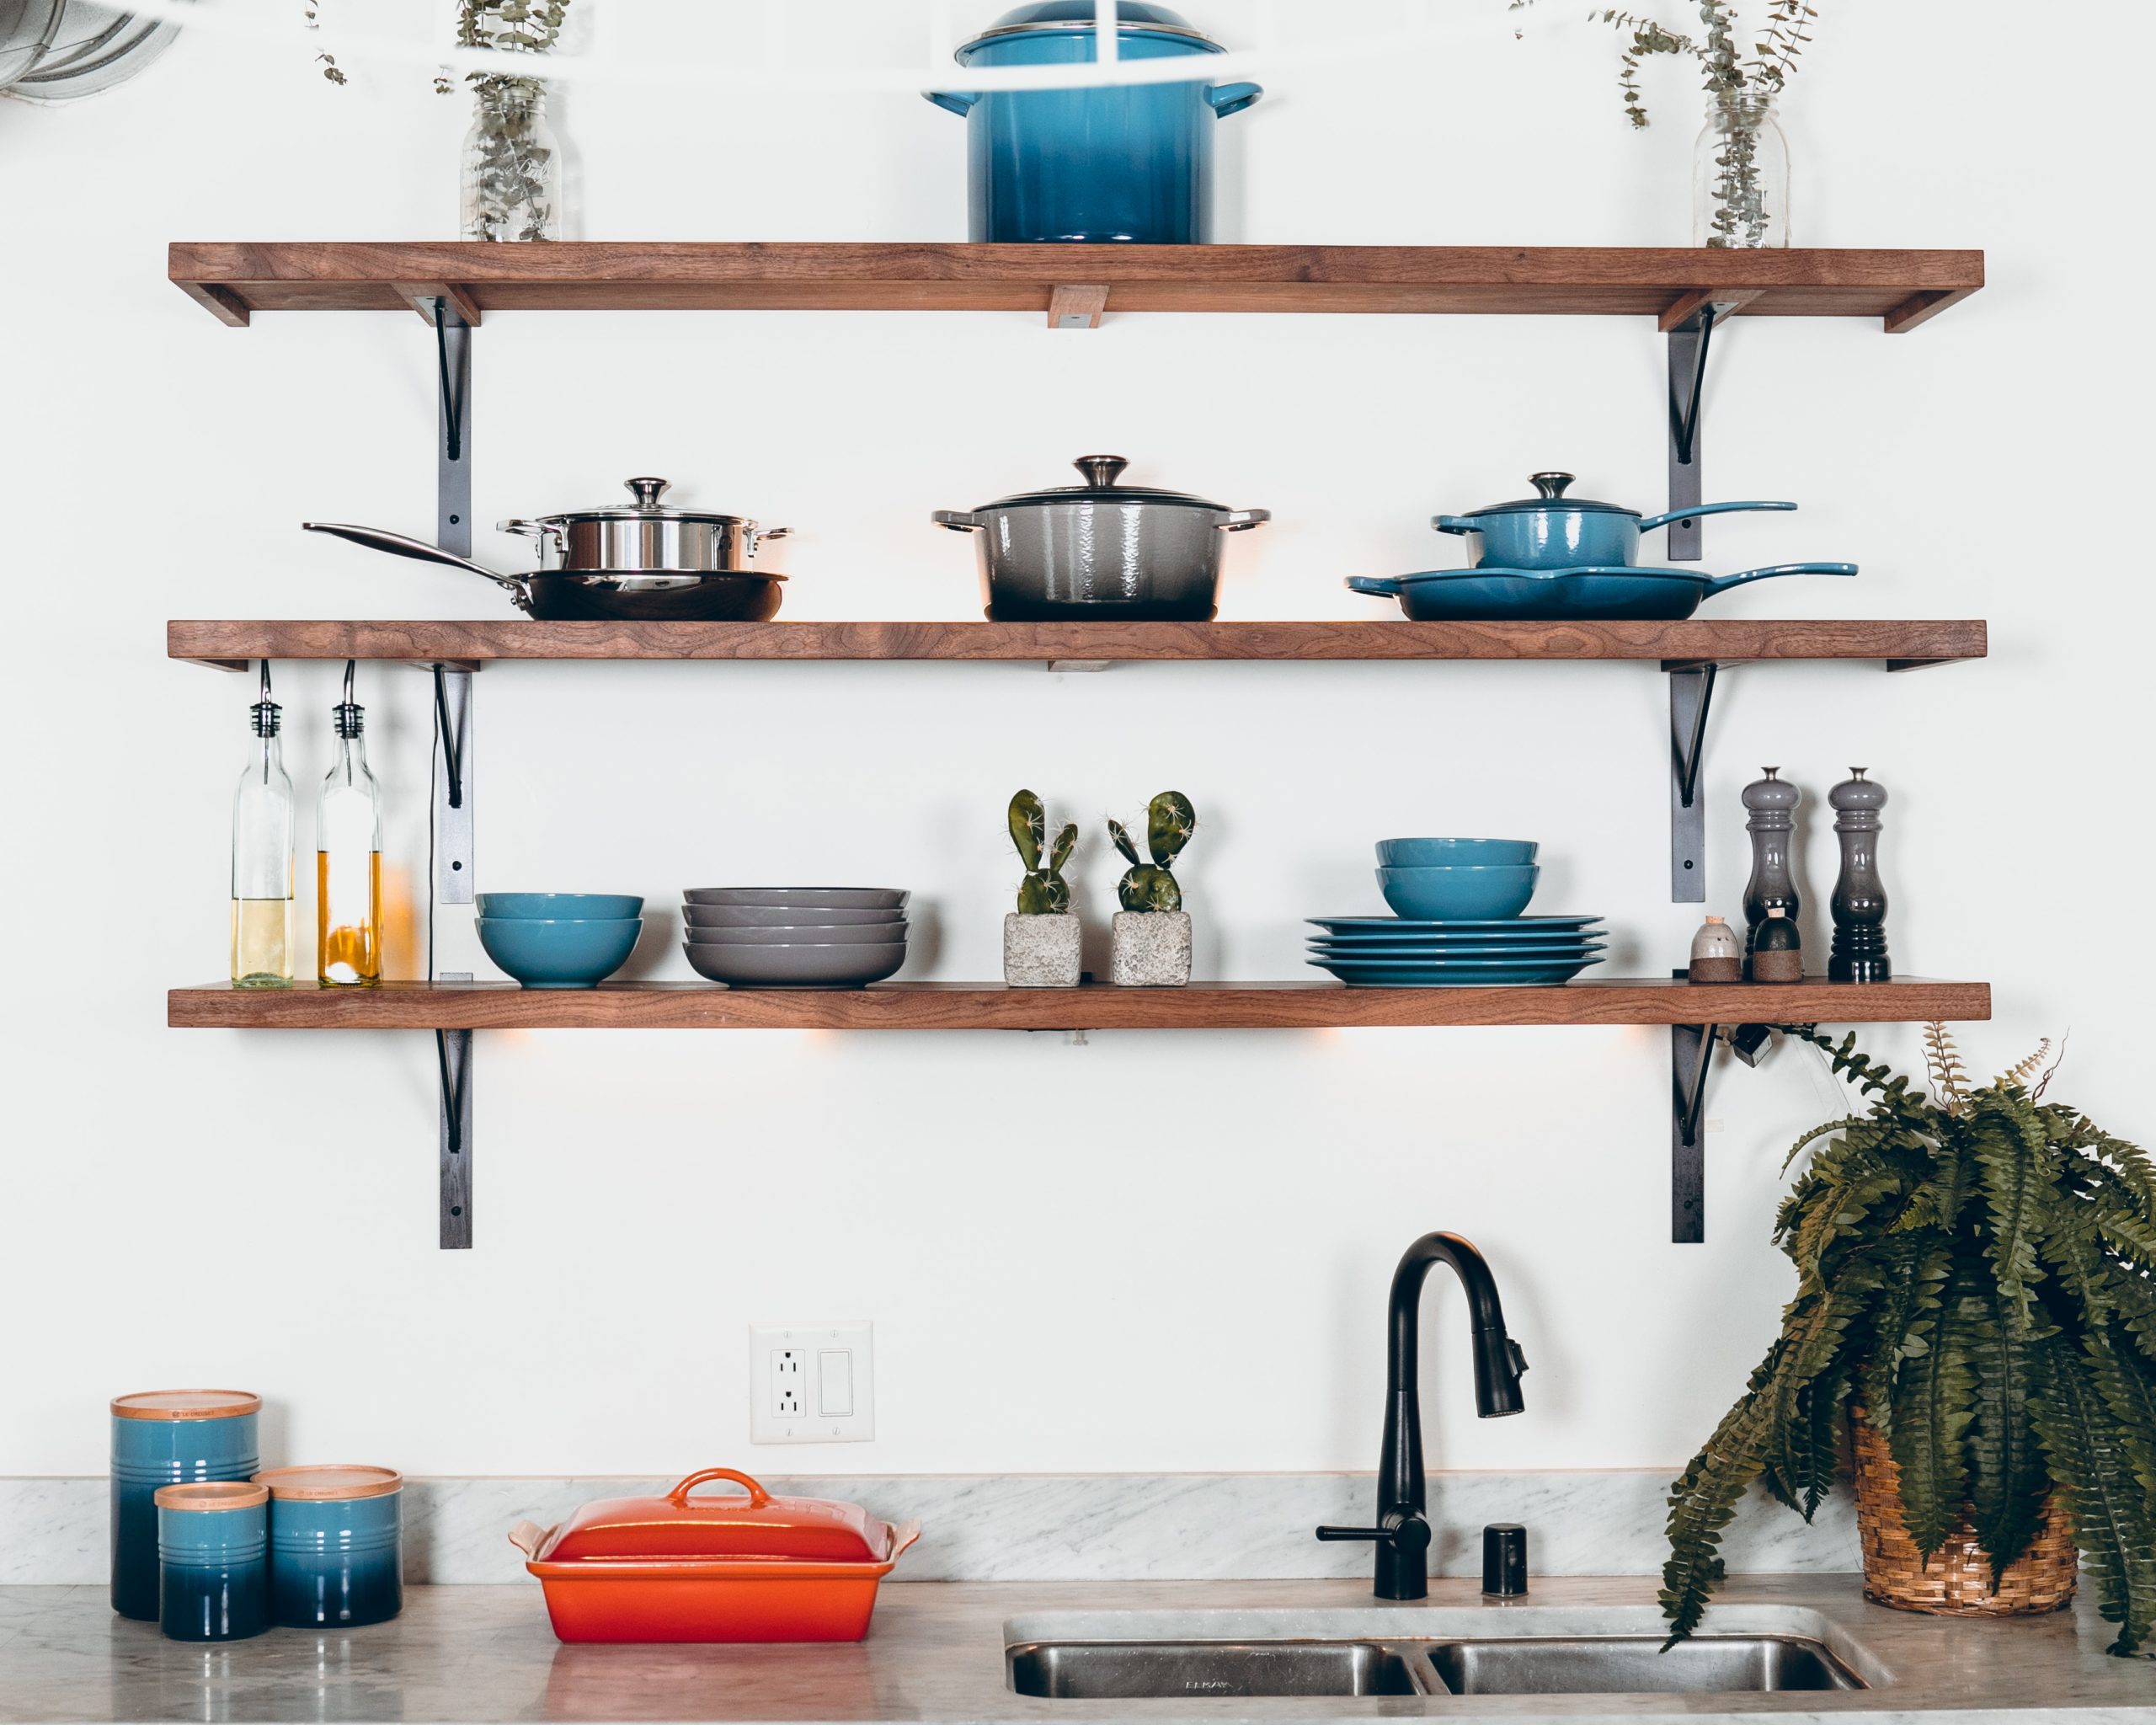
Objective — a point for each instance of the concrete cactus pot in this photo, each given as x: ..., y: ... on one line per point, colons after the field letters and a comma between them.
x: 1040, y: 951
x: 1152, y: 948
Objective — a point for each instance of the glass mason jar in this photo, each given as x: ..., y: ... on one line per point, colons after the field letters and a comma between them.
x: 1740, y: 173
x: 513, y: 184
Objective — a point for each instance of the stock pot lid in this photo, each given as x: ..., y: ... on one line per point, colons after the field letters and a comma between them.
x: 647, y: 507
x: 1552, y: 489
x: 1132, y: 17
x: 1101, y: 472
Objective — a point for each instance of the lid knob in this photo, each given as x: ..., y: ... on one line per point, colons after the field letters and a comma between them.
x: 1552, y: 485
x: 1101, y: 470
x: 648, y: 491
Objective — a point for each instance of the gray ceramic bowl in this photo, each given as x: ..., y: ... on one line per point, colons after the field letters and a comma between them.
x: 796, y: 967
x: 881, y: 934
x: 781, y: 915
x: 827, y: 898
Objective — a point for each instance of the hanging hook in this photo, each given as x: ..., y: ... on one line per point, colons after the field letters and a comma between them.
x: 1684, y: 418
x: 452, y: 403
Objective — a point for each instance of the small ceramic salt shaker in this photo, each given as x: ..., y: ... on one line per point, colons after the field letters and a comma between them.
x: 1777, y: 948
x: 1717, y: 954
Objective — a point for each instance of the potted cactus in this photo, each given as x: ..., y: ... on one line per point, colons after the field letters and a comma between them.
x: 1152, y: 930
x: 1040, y: 937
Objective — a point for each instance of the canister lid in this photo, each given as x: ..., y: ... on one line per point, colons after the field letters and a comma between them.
x: 185, y: 1404
x: 329, y: 1482
x: 212, y: 1494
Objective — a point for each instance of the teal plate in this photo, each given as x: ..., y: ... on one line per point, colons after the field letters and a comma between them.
x: 1410, y: 975
x: 1423, y: 942
x: 1524, y: 925
x: 1452, y: 955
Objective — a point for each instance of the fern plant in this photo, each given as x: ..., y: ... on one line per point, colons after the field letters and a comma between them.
x: 1976, y: 1270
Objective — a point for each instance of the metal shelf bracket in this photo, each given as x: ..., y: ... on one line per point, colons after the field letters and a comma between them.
x: 1688, y: 324
x: 1691, y: 694
x: 453, y: 877
x: 1691, y: 1056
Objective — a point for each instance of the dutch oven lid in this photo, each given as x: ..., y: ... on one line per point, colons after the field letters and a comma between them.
x: 328, y: 1482
x: 185, y: 1404
x: 1551, y: 486
x: 647, y: 507
x: 1101, y: 472
x: 1133, y: 18
x: 759, y: 1526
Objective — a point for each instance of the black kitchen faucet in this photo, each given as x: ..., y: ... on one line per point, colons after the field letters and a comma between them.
x: 1402, y: 1532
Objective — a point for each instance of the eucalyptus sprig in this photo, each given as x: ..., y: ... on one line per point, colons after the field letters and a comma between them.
x: 1724, y: 71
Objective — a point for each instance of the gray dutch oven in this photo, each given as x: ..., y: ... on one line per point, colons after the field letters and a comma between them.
x: 1100, y: 550
x: 1554, y: 531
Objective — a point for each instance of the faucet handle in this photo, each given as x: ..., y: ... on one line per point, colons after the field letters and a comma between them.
x: 1408, y: 1535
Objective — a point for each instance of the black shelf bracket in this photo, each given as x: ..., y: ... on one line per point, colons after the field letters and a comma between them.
x: 1687, y: 384
x: 1691, y: 1057
x: 453, y: 1055
x: 452, y: 829
x: 1691, y: 696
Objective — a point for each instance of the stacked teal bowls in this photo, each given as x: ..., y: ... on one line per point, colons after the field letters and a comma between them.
x: 1457, y: 922
x: 560, y: 940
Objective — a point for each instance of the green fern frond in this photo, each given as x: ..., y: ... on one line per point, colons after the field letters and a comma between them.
x: 2007, y: 1478
x: 1950, y: 1083
x: 2013, y: 1169
x: 1935, y: 1402
x: 2112, y: 1524
x: 2022, y: 1070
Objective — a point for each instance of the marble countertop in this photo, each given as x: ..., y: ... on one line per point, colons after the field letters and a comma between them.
x: 934, y: 1655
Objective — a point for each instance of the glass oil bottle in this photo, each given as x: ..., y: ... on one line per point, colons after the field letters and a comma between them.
x: 347, y: 857
x: 261, y: 854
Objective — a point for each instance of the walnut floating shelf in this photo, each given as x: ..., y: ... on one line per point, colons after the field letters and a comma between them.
x: 1736, y: 640
x: 983, y: 1006
x: 1669, y: 284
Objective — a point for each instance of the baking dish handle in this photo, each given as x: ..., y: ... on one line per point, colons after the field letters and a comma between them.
x: 758, y: 1497
x: 902, y: 1535
x: 529, y: 1538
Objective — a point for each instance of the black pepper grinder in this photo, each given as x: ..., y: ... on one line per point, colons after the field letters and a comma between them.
x: 1773, y: 802
x: 1860, y: 902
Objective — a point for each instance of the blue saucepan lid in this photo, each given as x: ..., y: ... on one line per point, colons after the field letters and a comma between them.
x: 1133, y: 18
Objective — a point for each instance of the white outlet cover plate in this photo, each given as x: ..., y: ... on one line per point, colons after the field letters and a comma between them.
x: 812, y: 1383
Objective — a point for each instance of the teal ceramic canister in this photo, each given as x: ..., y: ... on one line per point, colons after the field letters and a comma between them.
x: 336, y: 1545
x: 166, y: 1438
x: 213, y: 1560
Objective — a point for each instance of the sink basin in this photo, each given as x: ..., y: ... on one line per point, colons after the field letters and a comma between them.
x: 1521, y: 1664
x: 1629, y: 1665
x: 1090, y: 1671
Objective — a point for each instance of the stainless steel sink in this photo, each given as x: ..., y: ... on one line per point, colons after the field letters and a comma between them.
x: 1629, y: 1664
x: 1095, y: 1671
x: 1595, y: 1665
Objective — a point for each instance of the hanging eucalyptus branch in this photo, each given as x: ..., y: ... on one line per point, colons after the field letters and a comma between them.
x: 1775, y: 55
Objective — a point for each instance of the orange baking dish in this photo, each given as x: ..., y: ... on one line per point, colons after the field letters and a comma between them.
x: 682, y: 1568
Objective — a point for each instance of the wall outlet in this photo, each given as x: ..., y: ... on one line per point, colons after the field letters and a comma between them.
x: 812, y: 1383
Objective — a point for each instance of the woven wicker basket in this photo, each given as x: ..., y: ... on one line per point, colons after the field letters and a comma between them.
x: 1957, y: 1581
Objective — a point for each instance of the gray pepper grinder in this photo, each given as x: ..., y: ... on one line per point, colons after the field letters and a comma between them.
x: 1773, y: 802
x: 1858, y: 953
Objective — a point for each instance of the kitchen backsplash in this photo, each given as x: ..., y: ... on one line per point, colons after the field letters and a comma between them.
x: 1048, y: 1527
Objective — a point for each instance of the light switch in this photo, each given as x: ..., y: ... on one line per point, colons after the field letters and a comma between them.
x: 834, y: 1383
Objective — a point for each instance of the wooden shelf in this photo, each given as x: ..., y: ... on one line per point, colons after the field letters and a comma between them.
x: 1901, y: 288
x: 233, y: 645
x: 984, y: 1006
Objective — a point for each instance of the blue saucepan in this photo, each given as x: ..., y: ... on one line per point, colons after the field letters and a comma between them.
x: 1488, y: 596
x: 1555, y: 532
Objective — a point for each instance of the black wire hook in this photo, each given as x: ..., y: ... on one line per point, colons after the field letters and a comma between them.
x: 1684, y: 418
x: 452, y: 403
x: 451, y: 758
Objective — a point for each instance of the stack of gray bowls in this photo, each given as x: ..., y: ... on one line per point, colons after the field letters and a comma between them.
x: 795, y: 937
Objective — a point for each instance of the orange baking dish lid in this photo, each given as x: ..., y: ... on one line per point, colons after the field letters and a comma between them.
x: 817, y: 1529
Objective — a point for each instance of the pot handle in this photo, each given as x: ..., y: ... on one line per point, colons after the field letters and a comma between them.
x: 956, y: 101
x: 758, y: 1497
x: 1232, y: 98
x: 1455, y: 523
x: 1652, y: 522
x: 1238, y: 520
x: 1721, y: 583
x: 534, y: 530
x: 959, y: 520
x: 379, y: 539
x: 1381, y: 587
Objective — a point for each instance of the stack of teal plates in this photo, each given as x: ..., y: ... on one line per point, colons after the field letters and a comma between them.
x: 1395, y: 952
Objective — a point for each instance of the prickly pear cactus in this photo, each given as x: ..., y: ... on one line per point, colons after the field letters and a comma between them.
x: 1043, y: 892
x: 1170, y: 821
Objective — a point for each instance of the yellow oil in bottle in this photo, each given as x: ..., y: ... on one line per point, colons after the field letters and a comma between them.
x: 262, y: 942
x: 347, y: 924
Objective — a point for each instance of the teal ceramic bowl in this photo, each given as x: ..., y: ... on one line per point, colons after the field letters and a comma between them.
x: 559, y: 953
x: 574, y: 907
x: 1471, y: 892
x: 1426, y: 853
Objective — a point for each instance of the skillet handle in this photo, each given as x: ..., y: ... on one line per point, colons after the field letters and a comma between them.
x: 1380, y: 587
x: 1723, y: 584
x: 1236, y: 521
x: 758, y: 1497
x: 379, y: 539
x: 959, y: 520
x: 1651, y: 522
x: 1454, y: 523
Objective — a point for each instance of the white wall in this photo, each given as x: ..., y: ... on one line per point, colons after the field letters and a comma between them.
x: 1154, y: 1251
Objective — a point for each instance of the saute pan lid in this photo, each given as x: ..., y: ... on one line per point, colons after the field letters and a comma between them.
x: 647, y: 507
x: 677, y: 1525
x: 1101, y: 472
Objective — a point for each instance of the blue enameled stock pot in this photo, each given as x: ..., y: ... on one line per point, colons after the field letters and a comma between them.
x: 336, y: 1545
x: 1130, y: 162
x: 168, y: 1438
x: 1554, y: 531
